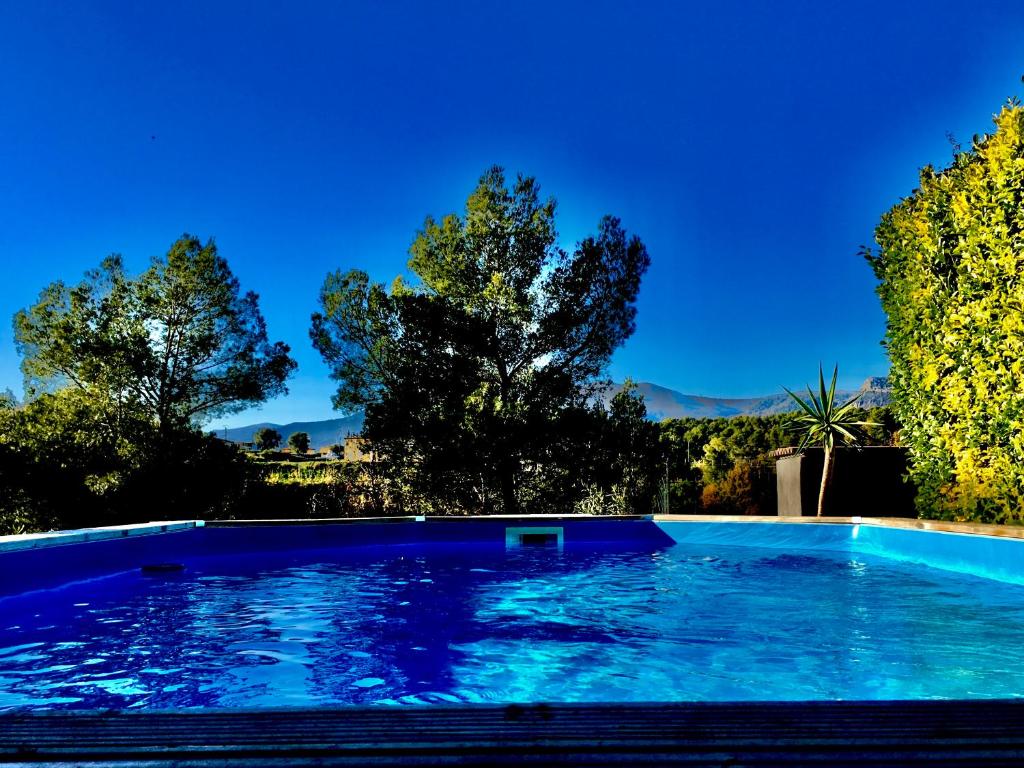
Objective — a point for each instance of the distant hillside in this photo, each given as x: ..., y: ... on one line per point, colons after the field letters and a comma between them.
x: 662, y: 403
x: 321, y: 433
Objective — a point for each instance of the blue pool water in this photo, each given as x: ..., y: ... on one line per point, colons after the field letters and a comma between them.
x: 432, y: 623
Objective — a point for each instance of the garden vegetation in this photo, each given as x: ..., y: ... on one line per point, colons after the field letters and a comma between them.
x: 950, y: 261
x: 119, y: 374
x: 479, y: 377
x: 483, y: 378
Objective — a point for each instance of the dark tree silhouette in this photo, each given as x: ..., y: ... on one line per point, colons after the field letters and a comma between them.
x: 471, y: 374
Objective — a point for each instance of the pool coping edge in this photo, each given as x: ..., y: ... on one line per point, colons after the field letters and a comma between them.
x: 20, y: 542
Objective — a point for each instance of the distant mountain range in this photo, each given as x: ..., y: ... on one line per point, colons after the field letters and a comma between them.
x: 321, y: 433
x: 662, y: 403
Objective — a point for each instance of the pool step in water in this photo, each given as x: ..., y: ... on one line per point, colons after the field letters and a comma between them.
x: 157, y: 568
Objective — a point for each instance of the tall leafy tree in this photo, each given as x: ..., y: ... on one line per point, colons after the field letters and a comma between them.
x: 66, y: 461
x: 949, y: 264
x: 299, y: 442
x: 266, y: 438
x: 470, y: 371
x: 180, y: 342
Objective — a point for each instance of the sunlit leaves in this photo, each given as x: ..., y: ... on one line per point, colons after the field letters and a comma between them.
x: 950, y: 264
x: 823, y: 422
x: 179, y: 342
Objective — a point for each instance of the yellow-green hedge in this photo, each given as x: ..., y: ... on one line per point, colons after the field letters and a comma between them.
x: 951, y: 266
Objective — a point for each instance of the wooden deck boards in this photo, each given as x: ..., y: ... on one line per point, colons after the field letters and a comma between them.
x: 948, y: 733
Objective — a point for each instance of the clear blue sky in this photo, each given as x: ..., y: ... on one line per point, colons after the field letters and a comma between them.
x: 752, y: 146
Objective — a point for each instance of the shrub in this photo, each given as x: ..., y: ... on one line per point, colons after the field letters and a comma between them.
x: 68, y: 461
x: 950, y: 263
x: 748, y: 488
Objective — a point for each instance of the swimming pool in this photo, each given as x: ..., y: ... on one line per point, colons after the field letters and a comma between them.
x: 563, y: 610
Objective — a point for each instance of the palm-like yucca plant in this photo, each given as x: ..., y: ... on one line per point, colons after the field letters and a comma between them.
x: 823, y: 423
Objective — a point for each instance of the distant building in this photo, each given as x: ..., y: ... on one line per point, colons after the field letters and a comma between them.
x: 357, y: 449
x: 241, y: 445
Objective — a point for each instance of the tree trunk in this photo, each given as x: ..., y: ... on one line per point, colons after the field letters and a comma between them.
x: 826, y: 479
x: 508, y: 491
x: 509, y: 466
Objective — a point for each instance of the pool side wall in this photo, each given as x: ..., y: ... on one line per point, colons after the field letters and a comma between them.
x: 987, y: 555
x: 991, y: 557
x: 48, y: 560
x: 44, y: 561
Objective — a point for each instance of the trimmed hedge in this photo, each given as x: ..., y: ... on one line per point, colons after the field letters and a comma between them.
x: 951, y: 266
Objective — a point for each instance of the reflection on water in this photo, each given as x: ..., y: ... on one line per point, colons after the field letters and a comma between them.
x: 422, y: 625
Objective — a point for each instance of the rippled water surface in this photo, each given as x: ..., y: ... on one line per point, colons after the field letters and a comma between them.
x: 421, y: 625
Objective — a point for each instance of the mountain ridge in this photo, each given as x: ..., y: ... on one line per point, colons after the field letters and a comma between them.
x: 322, y: 434
x: 662, y: 403
x: 665, y: 403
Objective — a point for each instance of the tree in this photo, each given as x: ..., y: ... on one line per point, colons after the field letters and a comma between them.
x: 299, y: 442
x: 470, y: 374
x: 637, y: 454
x: 615, y: 456
x: 824, y: 422
x: 730, y: 455
x: 266, y: 438
x: 949, y: 265
x: 716, y: 461
x: 66, y: 462
x: 180, y: 342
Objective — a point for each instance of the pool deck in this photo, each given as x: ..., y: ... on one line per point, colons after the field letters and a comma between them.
x: 944, y: 733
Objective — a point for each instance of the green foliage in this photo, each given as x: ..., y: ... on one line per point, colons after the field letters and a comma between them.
x: 119, y: 372
x: 637, y: 456
x: 70, y: 460
x: 266, y: 438
x: 949, y: 264
x: 299, y: 442
x: 822, y: 421
x: 716, y: 462
x: 20, y: 511
x: 179, y: 343
x: 285, y: 489
x: 625, y: 462
x: 727, y: 454
x: 748, y: 487
x: 684, y: 442
x: 479, y: 377
x: 318, y: 489
x: 598, y: 501
x: 73, y: 454
x: 305, y: 473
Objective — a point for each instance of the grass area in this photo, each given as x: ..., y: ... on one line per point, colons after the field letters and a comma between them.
x: 320, y: 472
